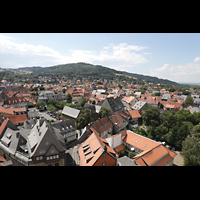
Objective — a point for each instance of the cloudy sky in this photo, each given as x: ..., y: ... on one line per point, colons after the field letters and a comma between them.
x: 173, y: 56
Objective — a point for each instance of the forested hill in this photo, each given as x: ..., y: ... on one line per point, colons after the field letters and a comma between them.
x: 78, y: 70
x: 150, y: 78
x: 81, y: 70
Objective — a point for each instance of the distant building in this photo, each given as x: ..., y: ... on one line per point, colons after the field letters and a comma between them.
x: 70, y: 113
x: 114, y: 105
x: 140, y: 105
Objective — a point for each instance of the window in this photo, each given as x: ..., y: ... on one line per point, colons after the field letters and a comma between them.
x: 48, y: 158
x: 104, y: 162
x: 37, y: 158
x: 41, y: 157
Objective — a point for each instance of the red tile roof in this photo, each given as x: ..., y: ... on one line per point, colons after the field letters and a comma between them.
x: 134, y: 114
x: 139, y: 141
x: 6, y: 110
x: 91, y: 150
x: 15, y: 119
x: 103, y: 124
x: 3, y: 125
x: 157, y: 156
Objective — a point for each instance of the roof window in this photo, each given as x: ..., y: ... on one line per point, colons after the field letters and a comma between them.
x: 136, y: 141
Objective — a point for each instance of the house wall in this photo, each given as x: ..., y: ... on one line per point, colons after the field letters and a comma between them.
x: 109, y: 161
x: 170, y: 163
x: 114, y: 141
x: 105, y: 133
x: 5, y: 115
x: 65, y: 117
x: 7, y: 157
x: 53, y: 162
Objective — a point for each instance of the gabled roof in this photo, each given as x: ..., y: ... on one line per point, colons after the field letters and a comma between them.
x: 15, y: 119
x: 114, y: 104
x: 138, y: 105
x: 139, y: 141
x: 134, y: 114
x: 71, y: 112
x: 6, y: 123
x: 103, y: 124
x: 157, y: 156
x: 6, y: 110
x: 41, y: 138
x: 92, y: 148
x: 117, y: 119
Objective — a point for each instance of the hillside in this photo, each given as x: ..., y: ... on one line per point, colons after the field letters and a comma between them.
x: 150, y: 78
x: 80, y: 70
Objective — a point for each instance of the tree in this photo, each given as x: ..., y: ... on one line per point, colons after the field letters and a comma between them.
x: 191, y: 148
x: 40, y: 105
x: 160, y: 131
x: 177, y: 134
x: 51, y: 108
x: 81, y: 103
x: 63, y: 90
x: 35, y: 89
x: 131, y: 154
x: 62, y: 104
x: 151, y: 117
x: 42, y: 88
x: 84, y: 118
x: 189, y: 101
x: 196, y: 116
x: 104, y: 112
x: 69, y: 98
x: 184, y: 115
x: 53, y: 102
x: 156, y: 94
x: 55, y: 92
x: 93, y: 102
x: 168, y: 119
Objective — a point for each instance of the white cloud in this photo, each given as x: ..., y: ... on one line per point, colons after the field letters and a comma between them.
x: 189, y: 72
x: 119, y: 56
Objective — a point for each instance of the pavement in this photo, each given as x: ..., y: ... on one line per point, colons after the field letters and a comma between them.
x: 178, y: 159
x: 48, y: 117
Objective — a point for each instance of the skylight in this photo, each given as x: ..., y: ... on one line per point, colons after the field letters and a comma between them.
x: 136, y: 141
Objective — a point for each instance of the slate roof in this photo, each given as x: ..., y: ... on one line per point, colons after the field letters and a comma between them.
x: 114, y: 104
x: 65, y: 126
